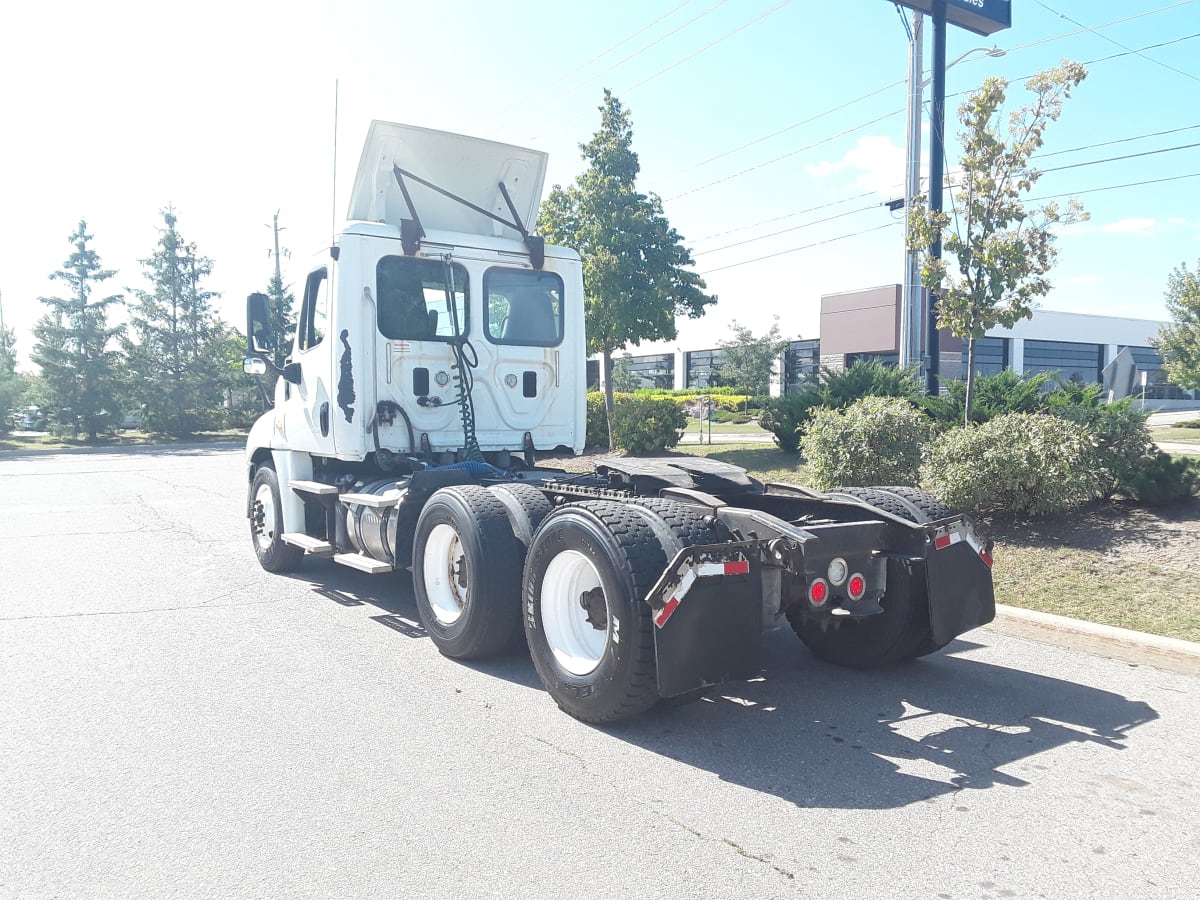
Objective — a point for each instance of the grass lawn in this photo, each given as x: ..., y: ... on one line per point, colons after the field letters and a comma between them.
x: 1087, y: 564
x: 46, y: 442
x: 693, y: 427
x: 1177, y: 435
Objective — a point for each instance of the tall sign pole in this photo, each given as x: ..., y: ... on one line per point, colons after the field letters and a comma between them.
x: 983, y: 17
x: 911, y: 308
x: 937, y: 170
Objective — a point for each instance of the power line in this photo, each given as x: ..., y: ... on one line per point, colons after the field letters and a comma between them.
x: 625, y: 40
x: 886, y: 87
x: 653, y: 43
x: 842, y: 237
x: 1125, y: 140
x: 1117, y: 158
x: 763, y: 237
x: 791, y: 215
x: 1095, y: 31
x: 1114, y: 187
x: 769, y: 162
x: 1141, y: 15
x: 707, y: 46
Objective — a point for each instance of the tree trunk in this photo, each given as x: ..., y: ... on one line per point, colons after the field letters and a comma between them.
x: 607, y: 365
x: 970, y: 380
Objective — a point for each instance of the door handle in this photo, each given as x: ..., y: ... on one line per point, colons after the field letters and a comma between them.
x: 324, y: 417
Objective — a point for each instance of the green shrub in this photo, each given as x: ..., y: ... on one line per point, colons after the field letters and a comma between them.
x: 877, y: 440
x: 1122, y: 439
x: 1157, y: 478
x: 786, y: 417
x: 730, y: 418
x: 644, y: 425
x: 869, y: 379
x: 597, y: 424
x: 1018, y: 463
x: 995, y: 395
x: 1195, y: 423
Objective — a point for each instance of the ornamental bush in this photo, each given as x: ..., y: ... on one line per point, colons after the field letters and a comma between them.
x: 1156, y: 478
x: 786, y: 417
x: 876, y: 440
x: 1018, y: 463
x: 643, y: 425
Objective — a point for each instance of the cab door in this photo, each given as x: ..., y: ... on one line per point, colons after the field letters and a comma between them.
x: 308, y: 406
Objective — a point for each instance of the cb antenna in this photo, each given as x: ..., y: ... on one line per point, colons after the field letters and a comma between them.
x: 333, y: 210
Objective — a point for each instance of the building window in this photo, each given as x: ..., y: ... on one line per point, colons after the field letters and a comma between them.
x: 991, y: 355
x: 801, y: 365
x: 1078, y: 362
x: 703, y: 368
x: 1150, y: 361
x: 653, y: 371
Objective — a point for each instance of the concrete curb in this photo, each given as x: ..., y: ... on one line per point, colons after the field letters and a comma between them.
x: 1135, y: 647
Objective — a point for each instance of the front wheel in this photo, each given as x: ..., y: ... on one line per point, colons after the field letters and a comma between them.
x: 266, y: 524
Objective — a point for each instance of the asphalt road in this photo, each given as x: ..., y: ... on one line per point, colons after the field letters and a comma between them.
x: 175, y: 722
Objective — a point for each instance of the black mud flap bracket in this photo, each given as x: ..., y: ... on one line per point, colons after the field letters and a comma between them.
x: 958, y: 574
x: 707, y: 609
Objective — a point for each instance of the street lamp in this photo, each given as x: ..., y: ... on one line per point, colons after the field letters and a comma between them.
x: 912, y: 295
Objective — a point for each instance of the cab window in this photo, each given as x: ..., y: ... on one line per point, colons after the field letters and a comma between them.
x: 412, y: 299
x: 523, y: 307
x: 314, y: 315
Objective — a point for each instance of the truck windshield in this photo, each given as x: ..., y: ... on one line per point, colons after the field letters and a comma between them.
x: 523, y: 307
x: 412, y: 299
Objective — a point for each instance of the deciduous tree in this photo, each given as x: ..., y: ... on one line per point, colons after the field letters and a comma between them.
x: 1180, y: 340
x: 747, y: 361
x: 635, y: 266
x: 1002, y: 248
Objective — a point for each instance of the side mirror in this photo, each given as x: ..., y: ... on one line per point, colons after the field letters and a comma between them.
x: 258, y: 325
x: 254, y: 365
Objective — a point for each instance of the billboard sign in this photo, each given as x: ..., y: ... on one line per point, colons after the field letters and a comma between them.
x: 980, y: 16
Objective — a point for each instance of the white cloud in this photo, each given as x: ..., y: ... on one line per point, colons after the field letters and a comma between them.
x: 1129, y: 226
x: 1176, y: 220
x: 877, y: 159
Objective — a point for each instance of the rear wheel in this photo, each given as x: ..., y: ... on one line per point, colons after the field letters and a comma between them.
x: 266, y: 524
x: 902, y: 631
x: 467, y: 572
x: 588, y: 629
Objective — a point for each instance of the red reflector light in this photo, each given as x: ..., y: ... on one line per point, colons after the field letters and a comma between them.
x: 818, y: 592
x: 856, y: 587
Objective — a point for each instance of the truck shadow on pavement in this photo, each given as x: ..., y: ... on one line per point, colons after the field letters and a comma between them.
x: 821, y: 736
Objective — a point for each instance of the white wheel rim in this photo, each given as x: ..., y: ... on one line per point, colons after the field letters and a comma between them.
x: 264, y: 534
x: 576, y: 643
x: 444, y: 566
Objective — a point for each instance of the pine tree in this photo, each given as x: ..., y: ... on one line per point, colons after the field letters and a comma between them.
x: 283, y: 318
x: 12, y: 385
x: 73, y: 345
x: 175, y: 362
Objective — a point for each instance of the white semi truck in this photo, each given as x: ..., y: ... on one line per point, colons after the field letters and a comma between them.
x: 440, y: 352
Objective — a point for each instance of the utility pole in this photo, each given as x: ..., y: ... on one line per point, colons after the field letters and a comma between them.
x: 937, y: 169
x: 911, y: 306
x: 277, y: 229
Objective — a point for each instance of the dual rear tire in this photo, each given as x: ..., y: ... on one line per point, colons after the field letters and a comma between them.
x: 902, y: 631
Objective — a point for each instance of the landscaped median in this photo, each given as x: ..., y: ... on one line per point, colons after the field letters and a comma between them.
x: 1116, y: 563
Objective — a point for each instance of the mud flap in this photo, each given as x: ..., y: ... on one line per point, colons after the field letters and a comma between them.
x: 707, y: 609
x: 958, y: 573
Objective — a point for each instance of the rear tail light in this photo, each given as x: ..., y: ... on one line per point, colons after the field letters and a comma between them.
x: 818, y: 592
x: 856, y: 586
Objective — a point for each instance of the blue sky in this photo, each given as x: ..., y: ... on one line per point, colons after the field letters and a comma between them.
x: 226, y: 110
